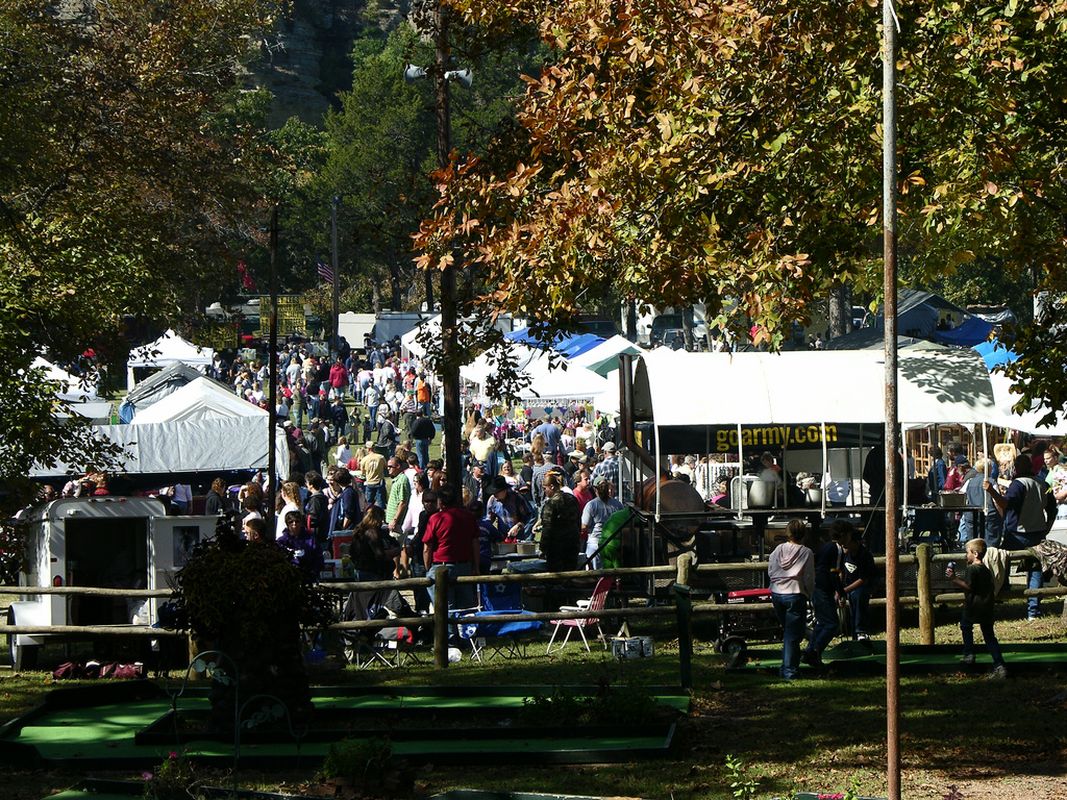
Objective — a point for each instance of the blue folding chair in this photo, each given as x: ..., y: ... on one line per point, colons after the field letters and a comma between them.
x: 506, y: 639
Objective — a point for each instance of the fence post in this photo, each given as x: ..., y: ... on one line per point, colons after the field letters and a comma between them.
x: 440, y: 617
x: 684, y: 608
x: 926, y: 595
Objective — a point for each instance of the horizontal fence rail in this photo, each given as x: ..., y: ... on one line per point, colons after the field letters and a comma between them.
x: 926, y: 599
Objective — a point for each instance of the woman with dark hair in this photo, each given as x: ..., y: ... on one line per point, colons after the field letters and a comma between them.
x: 373, y: 554
x: 215, y: 501
x: 297, y: 541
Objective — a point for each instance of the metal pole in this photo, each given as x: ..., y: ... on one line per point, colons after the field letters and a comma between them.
x: 449, y: 362
x: 272, y: 356
x: 336, y: 277
x: 892, y: 425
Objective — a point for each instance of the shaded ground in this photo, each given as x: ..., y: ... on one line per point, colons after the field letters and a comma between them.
x: 987, y: 739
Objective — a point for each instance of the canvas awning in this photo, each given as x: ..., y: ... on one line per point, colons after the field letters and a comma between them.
x: 604, y: 358
x: 199, y: 399
x: 170, y: 348
x: 689, y: 394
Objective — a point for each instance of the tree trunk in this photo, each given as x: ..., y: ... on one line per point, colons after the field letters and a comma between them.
x: 631, y: 320
x: 840, y: 317
x: 376, y: 293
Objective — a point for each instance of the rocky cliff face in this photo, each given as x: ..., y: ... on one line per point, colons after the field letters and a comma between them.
x: 306, y: 61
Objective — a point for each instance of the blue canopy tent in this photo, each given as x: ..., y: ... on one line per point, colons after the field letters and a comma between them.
x: 568, y: 346
x: 970, y: 332
x: 995, y: 354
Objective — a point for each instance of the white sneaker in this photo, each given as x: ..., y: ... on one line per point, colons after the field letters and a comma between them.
x: 968, y: 659
x: 999, y: 673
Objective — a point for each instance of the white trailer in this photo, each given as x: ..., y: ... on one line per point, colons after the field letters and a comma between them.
x: 111, y: 542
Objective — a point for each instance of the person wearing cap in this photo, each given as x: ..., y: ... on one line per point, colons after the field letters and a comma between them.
x: 575, y: 459
x: 594, y: 515
x: 609, y: 465
x: 957, y: 474
x: 507, y: 509
x: 399, y: 495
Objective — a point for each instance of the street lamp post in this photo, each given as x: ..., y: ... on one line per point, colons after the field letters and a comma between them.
x: 448, y: 363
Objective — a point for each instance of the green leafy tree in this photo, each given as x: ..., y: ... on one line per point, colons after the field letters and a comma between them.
x: 126, y: 149
x: 679, y: 152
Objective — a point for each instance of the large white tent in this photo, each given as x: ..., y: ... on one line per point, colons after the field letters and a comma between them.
x: 206, y: 446
x: 547, y: 386
x: 170, y: 348
x: 693, y: 396
x: 198, y: 428
x: 199, y: 399
x: 1028, y: 421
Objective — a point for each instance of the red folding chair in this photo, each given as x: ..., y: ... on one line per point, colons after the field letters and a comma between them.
x: 595, y: 603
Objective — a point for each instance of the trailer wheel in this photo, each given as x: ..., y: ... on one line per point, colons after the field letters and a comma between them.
x: 22, y: 656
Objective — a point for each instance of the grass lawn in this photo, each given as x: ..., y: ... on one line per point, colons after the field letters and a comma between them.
x: 988, y: 739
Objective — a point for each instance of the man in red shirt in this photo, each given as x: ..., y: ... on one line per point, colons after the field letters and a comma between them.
x: 451, y: 543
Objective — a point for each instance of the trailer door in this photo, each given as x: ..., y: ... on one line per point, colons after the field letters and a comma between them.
x: 109, y: 552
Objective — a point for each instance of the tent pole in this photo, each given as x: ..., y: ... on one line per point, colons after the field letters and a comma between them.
x: 904, y: 478
x: 741, y: 496
x: 655, y: 431
x: 825, y: 459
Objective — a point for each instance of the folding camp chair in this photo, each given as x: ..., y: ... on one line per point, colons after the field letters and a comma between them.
x: 391, y: 646
x: 506, y: 639
x: 595, y: 603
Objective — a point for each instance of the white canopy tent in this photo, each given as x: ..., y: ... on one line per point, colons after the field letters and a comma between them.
x: 170, y: 348
x: 547, y: 386
x: 1028, y: 421
x: 208, y: 445
x: 409, y: 344
x: 794, y: 398
x: 82, y: 398
x: 935, y: 385
x: 199, y: 399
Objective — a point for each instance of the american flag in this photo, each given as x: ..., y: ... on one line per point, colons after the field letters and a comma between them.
x: 325, y: 271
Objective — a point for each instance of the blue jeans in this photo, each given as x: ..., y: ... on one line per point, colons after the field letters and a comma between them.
x: 1017, y: 540
x: 460, y: 596
x: 422, y: 450
x: 826, y: 626
x: 990, y: 637
x: 858, y: 602
x: 791, y: 610
x: 375, y: 495
x: 422, y: 594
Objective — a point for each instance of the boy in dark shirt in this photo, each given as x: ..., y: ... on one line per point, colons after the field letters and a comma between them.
x: 977, y: 583
x: 829, y: 564
x: 858, y: 575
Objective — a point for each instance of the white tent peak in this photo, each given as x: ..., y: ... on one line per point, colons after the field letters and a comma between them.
x: 202, y: 398
x: 170, y: 348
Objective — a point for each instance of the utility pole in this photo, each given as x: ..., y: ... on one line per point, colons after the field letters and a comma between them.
x: 892, y: 426
x: 449, y: 361
x: 336, y: 276
x: 272, y: 356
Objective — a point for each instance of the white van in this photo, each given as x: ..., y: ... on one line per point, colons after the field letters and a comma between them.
x: 112, y: 542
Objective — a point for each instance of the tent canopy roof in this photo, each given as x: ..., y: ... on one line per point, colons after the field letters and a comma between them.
x: 935, y: 385
x: 168, y: 349
x: 202, y: 398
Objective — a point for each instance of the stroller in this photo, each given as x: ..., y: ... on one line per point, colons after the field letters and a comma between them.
x: 391, y: 646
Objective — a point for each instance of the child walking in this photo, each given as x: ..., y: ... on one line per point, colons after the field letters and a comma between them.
x: 977, y: 583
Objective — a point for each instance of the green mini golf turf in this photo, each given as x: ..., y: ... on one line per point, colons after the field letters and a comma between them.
x: 106, y: 732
